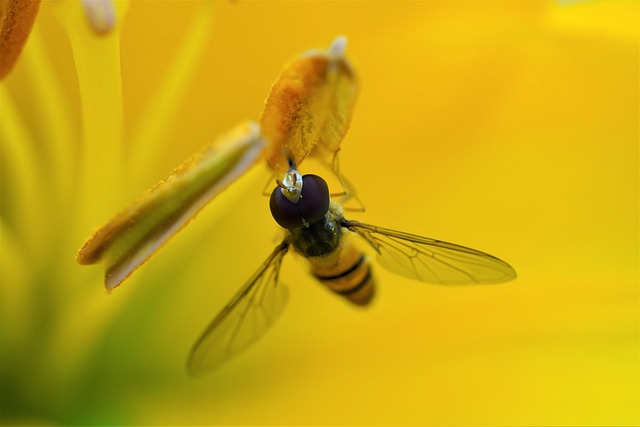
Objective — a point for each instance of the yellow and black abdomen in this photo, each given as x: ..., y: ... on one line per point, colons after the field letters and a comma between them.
x: 347, y: 272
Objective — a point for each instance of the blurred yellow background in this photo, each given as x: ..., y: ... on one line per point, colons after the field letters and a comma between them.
x: 510, y: 127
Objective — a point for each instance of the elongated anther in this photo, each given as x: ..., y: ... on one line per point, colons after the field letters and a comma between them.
x: 16, y: 20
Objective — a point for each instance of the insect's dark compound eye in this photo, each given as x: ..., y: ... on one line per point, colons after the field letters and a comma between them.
x: 314, y: 201
x: 312, y: 206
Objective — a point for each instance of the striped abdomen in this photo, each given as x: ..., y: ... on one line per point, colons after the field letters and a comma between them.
x: 335, y: 261
x: 347, y: 272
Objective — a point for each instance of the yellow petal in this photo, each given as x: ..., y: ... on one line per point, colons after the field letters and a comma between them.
x: 136, y: 233
x: 167, y: 99
x: 308, y: 111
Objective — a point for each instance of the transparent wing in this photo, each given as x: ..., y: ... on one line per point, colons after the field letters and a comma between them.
x: 429, y: 260
x: 245, y: 318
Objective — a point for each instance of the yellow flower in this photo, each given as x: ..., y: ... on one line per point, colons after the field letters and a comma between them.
x: 511, y: 127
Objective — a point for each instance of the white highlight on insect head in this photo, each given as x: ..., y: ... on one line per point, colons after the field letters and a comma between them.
x: 291, y: 185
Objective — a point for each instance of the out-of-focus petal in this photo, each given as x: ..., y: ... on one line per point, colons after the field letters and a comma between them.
x: 162, y: 108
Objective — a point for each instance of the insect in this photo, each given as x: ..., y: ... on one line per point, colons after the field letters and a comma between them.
x: 307, y: 114
x: 316, y: 228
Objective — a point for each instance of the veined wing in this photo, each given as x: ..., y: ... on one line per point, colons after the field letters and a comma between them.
x: 131, y: 237
x: 245, y: 318
x: 429, y: 260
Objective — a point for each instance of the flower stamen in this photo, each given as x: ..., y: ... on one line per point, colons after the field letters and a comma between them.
x: 17, y: 18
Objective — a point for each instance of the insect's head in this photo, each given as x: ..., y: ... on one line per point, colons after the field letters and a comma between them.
x: 299, y: 201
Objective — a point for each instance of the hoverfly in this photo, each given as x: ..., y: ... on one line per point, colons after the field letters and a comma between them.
x: 307, y: 114
x: 316, y: 228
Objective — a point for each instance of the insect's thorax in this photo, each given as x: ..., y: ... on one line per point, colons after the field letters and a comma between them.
x: 319, y: 239
x: 335, y: 260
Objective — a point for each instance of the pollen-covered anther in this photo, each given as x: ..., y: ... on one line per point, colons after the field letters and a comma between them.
x: 101, y: 15
x: 16, y: 20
